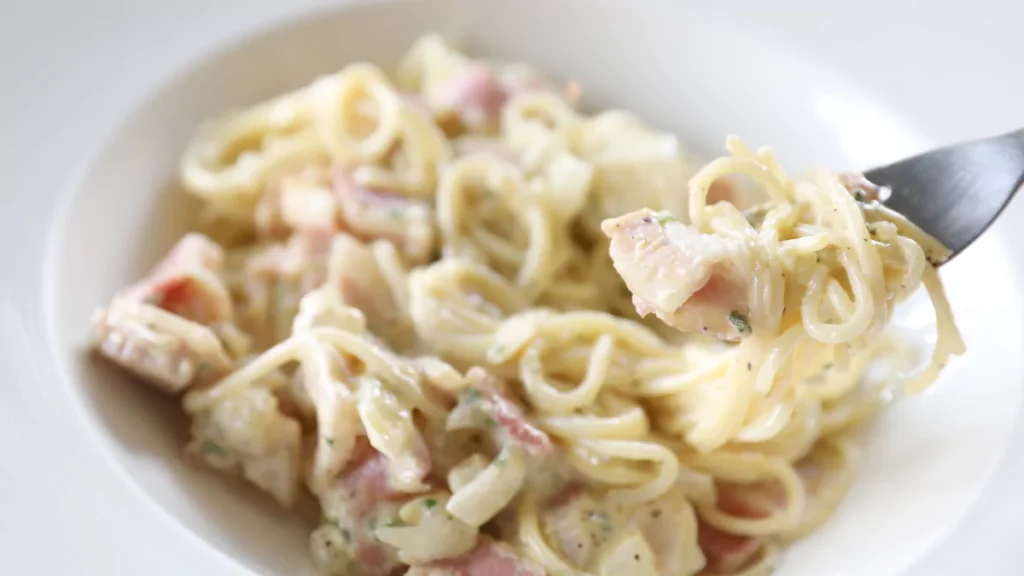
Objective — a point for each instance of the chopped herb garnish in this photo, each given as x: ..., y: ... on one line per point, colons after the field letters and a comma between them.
x: 739, y: 321
x: 329, y: 441
x: 491, y: 422
x: 665, y: 218
x: 211, y: 448
x: 202, y: 366
x: 859, y: 196
x: 347, y: 536
x: 755, y: 215
x: 391, y: 522
x: 429, y: 503
x: 497, y: 350
x: 471, y: 396
x: 498, y: 462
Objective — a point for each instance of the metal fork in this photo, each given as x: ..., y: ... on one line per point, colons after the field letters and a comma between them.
x: 955, y: 193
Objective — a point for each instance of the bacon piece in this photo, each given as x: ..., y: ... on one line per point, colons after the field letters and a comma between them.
x: 723, y: 190
x: 187, y: 282
x: 511, y: 418
x: 475, y: 95
x: 318, y: 202
x: 725, y: 553
x: 689, y: 280
x: 365, y: 480
x: 751, y: 500
x: 165, y: 349
x: 361, y: 500
x: 374, y: 214
x: 509, y: 415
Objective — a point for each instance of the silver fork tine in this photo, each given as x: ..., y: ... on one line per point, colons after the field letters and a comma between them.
x: 955, y: 193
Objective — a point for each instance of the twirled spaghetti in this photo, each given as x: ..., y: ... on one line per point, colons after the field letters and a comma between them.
x: 423, y: 316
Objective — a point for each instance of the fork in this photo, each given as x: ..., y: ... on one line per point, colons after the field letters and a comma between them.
x: 955, y: 193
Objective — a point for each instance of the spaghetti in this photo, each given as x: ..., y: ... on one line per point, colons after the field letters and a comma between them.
x: 491, y: 334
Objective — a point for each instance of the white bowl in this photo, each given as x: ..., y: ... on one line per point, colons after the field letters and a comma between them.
x: 925, y: 462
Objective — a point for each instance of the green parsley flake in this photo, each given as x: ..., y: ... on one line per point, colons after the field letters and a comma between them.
x: 739, y: 321
x: 471, y: 396
x: 329, y: 441
x: 859, y: 195
x: 429, y: 503
x: 211, y: 448
x: 755, y: 214
x: 498, y: 462
x: 665, y: 217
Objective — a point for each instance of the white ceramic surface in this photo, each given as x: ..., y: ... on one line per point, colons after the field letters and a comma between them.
x: 93, y: 482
